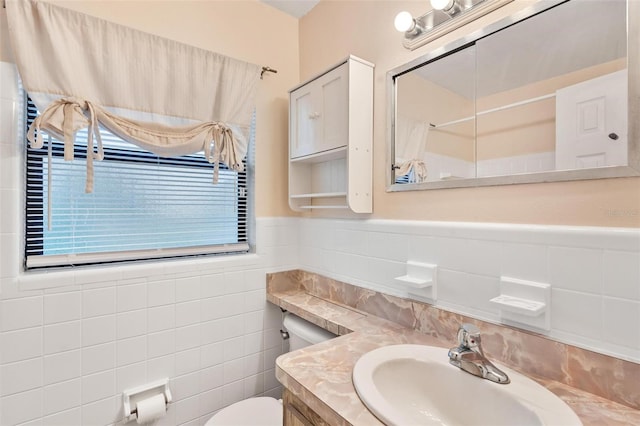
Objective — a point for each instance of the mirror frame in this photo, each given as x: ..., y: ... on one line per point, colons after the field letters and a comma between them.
x: 633, y: 110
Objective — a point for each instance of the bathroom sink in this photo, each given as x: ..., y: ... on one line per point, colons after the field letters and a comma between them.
x: 416, y: 385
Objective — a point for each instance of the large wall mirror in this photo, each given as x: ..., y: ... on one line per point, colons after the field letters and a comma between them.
x: 549, y: 94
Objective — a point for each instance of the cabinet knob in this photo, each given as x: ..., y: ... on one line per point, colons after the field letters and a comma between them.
x: 314, y: 115
x: 613, y: 136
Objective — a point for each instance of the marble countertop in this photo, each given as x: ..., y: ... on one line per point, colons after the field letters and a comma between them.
x: 320, y: 375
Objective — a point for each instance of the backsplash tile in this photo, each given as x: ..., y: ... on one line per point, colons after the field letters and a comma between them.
x: 622, y: 323
x: 526, y: 261
x: 577, y: 313
x: 622, y: 277
x: 582, y: 265
x: 576, y: 269
x: 461, y: 290
x: 589, y: 370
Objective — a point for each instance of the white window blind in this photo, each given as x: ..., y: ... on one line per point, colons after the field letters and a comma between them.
x: 143, y: 206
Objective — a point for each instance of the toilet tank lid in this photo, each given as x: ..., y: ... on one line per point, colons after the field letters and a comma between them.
x: 306, y: 330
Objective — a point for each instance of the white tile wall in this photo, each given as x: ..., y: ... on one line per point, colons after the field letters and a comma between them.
x: 67, y: 355
x: 528, y: 163
x: 594, y: 272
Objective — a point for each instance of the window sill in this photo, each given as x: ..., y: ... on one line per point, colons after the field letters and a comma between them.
x: 161, y: 269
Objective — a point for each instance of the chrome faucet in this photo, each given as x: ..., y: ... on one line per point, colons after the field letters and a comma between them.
x: 469, y: 356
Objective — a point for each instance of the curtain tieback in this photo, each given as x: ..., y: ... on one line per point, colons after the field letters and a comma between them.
x: 63, y: 118
x: 419, y: 169
x: 221, y: 137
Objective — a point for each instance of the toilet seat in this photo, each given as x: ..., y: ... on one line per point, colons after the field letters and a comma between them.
x: 261, y: 411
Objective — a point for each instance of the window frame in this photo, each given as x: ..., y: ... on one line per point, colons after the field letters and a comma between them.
x: 34, y: 184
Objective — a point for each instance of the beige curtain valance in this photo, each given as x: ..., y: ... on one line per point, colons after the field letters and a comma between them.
x: 83, y: 71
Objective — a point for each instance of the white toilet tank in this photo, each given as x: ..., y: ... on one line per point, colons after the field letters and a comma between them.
x: 302, y: 333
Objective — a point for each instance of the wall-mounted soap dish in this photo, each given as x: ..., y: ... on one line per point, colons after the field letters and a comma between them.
x: 420, y: 281
x: 524, y: 302
x: 518, y: 305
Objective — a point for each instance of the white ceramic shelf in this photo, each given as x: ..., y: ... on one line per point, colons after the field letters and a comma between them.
x: 320, y: 195
x: 320, y: 207
x: 414, y: 282
x: 527, y: 303
x: 421, y: 281
x: 519, y: 305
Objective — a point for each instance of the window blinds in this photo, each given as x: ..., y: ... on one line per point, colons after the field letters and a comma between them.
x: 144, y: 206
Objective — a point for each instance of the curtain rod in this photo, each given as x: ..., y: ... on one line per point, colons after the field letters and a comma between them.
x: 267, y: 69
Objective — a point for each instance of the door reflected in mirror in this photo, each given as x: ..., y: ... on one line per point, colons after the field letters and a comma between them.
x: 546, y: 94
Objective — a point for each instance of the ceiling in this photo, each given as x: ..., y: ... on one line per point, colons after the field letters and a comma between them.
x: 295, y: 8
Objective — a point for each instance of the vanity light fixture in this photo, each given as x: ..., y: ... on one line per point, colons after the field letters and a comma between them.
x: 404, y: 22
x: 446, y: 16
x: 450, y: 7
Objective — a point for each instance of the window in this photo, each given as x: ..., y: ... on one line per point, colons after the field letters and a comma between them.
x: 142, y: 207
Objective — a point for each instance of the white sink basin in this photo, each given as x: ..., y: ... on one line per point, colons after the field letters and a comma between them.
x: 416, y: 385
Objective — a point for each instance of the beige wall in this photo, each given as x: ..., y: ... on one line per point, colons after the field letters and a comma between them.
x: 247, y: 30
x: 334, y: 29
x: 423, y: 100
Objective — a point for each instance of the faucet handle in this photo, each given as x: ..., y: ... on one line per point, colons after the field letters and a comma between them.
x: 469, y: 336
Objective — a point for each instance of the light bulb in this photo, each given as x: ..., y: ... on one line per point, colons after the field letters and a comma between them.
x: 404, y: 22
x: 442, y: 4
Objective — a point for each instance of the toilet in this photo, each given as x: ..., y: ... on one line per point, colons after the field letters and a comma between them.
x: 265, y: 411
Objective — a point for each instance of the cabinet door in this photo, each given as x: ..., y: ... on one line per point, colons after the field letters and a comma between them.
x: 333, y: 123
x: 303, y: 118
x: 319, y: 114
x: 297, y: 413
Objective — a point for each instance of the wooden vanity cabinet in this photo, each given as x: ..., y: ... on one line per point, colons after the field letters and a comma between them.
x: 297, y: 413
x: 331, y: 139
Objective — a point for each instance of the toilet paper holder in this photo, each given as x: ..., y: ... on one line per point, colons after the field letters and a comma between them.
x: 130, y: 397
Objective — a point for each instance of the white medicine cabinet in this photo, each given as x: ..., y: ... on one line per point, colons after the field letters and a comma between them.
x: 331, y: 138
